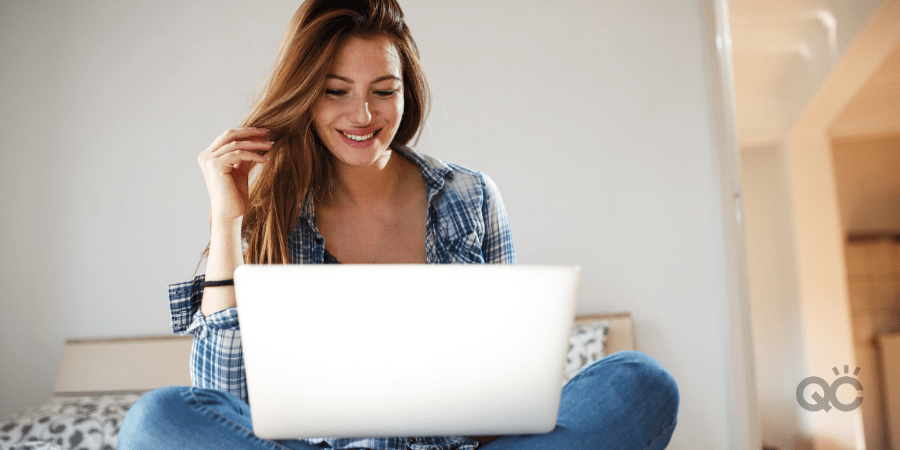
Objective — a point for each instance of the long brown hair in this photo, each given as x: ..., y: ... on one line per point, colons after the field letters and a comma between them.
x: 299, y: 165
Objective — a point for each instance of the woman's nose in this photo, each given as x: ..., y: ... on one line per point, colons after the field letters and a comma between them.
x: 360, y: 113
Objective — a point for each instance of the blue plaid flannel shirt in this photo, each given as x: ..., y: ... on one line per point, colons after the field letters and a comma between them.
x: 466, y: 224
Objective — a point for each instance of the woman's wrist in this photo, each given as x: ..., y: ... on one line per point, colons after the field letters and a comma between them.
x: 225, y: 236
x: 225, y: 252
x: 224, y: 257
x: 227, y: 226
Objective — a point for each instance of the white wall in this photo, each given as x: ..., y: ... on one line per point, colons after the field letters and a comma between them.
x: 592, y: 117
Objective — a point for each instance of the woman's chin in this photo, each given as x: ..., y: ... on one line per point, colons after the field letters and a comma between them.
x: 362, y: 157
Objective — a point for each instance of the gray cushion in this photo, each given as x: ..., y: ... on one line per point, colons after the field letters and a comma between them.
x: 68, y: 423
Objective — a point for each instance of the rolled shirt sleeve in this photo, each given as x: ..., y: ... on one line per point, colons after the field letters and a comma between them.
x: 216, y: 358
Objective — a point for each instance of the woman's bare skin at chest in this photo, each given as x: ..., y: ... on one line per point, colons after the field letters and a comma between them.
x: 377, y: 229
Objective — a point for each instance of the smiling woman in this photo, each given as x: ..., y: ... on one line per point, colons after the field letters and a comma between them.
x: 324, y: 67
x: 334, y: 181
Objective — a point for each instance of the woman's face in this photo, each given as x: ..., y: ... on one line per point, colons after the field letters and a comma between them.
x: 362, y: 105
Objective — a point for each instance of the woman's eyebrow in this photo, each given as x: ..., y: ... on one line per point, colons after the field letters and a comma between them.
x: 377, y: 80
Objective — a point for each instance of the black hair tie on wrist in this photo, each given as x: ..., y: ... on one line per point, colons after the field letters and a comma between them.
x: 206, y: 284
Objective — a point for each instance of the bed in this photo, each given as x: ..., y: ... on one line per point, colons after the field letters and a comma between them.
x: 99, y: 379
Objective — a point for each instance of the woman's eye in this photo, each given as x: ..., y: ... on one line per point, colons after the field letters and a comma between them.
x: 335, y: 92
x: 386, y: 93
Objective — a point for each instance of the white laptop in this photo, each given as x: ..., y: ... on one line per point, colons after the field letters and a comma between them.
x: 404, y: 350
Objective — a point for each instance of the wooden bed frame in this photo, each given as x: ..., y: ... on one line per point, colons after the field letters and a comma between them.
x: 138, y: 365
x: 123, y: 366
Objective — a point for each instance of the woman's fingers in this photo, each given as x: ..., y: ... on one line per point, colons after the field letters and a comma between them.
x: 237, y: 135
x: 255, y: 146
x: 235, y: 158
x: 238, y: 145
x: 223, y: 163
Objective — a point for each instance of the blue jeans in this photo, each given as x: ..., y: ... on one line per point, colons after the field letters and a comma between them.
x: 627, y: 400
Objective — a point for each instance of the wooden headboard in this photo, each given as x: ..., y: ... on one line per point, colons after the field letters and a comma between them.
x: 137, y: 365
x: 131, y: 365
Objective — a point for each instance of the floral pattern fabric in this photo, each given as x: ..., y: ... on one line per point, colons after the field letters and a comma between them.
x: 70, y: 423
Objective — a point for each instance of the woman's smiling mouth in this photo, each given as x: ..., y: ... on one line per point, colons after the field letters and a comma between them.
x: 359, y: 138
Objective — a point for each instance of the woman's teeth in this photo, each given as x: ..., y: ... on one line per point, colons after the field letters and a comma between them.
x: 359, y: 138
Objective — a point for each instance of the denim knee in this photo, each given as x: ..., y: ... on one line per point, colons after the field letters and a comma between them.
x: 647, y: 376
x: 148, y: 415
x: 636, y: 384
x: 628, y: 398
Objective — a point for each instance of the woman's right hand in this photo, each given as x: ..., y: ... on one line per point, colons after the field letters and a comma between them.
x: 226, y: 166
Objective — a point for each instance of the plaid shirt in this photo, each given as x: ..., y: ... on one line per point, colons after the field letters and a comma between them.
x: 466, y: 224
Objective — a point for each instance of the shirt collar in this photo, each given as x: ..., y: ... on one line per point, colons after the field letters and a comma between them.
x: 433, y: 170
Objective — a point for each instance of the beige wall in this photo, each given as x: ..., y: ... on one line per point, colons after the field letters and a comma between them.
x: 795, y: 246
x: 821, y: 277
x: 873, y: 272
x: 867, y: 170
x: 778, y: 338
x: 868, y: 179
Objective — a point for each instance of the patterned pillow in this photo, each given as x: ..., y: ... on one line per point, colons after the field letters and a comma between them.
x: 586, y: 345
x: 68, y: 423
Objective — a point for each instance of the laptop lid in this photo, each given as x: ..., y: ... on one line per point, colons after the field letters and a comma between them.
x: 404, y: 350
